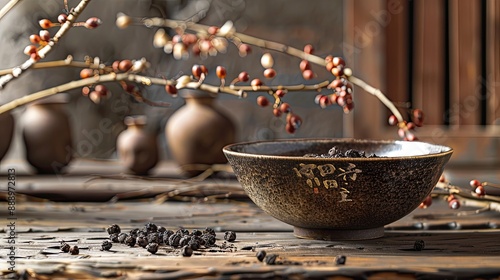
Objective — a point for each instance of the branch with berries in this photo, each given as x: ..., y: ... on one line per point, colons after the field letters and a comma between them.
x: 475, y: 196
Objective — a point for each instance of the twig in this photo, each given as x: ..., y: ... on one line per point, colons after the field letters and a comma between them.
x: 68, y: 62
x: 175, y: 24
x: 5, y: 9
x: 19, y: 70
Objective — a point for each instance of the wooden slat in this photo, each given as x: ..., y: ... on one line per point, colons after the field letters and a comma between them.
x: 429, y: 68
x: 465, y: 65
x: 397, y: 54
x: 493, y: 61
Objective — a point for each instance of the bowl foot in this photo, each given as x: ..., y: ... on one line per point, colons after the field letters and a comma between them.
x: 338, y: 234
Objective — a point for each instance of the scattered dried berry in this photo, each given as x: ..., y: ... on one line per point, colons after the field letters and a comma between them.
x: 114, y: 238
x: 65, y: 247
x: 419, y: 245
x: 141, y: 241
x: 335, y: 152
x: 186, y: 251
x: 208, y: 239
x: 261, y: 255
x: 340, y: 259
x: 151, y: 227
x: 210, y: 231
x: 184, y: 240
x: 113, y: 229
x: 74, y: 250
x: 122, y: 237
x: 230, y: 236
x: 106, y: 245
x: 152, y: 248
x: 130, y: 241
x: 270, y: 259
x: 174, y: 240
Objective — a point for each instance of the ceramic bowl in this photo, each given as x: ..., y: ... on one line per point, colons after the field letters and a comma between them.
x: 337, y: 198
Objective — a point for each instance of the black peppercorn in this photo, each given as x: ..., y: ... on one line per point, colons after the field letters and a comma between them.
x: 130, y: 241
x: 114, y: 237
x: 106, y: 245
x: 230, y: 236
x: 152, y: 248
x: 65, y: 247
x: 122, y: 237
x: 114, y: 228
x: 210, y: 231
x: 261, y: 255
x: 340, y: 259
x: 153, y: 238
x: 141, y: 241
x: 182, y: 231
x: 161, y: 229
x: 134, y: 232
x: 196, y: 232
x: 74, y: 250
x: 195, y: 242
x: 151, y: 227
x: 208, y: 239
x: 419, y: 245
x: 270, y: 259
x: 186, y: 251
x: 184, y: 240
x: 174, y: 239
x: 166, y: 236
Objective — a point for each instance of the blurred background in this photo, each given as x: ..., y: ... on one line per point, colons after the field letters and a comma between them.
x: 442, y: 56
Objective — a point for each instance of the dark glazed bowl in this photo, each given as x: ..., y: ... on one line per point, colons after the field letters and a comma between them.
x: 337, y: 198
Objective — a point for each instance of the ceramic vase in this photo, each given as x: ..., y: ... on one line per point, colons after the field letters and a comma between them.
x: 137, y: 148
x: 7, y: 128
x: 197, y: 132
x: 46, y: 135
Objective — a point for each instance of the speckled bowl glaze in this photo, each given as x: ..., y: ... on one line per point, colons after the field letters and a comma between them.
x: 337, y: 198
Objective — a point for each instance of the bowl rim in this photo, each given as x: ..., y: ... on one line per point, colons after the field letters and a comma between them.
x: 228, y: 149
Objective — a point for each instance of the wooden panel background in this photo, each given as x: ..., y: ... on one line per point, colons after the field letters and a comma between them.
x: 441, y: 56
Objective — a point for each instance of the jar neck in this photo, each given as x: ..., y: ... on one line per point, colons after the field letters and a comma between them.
x: 201, y: 100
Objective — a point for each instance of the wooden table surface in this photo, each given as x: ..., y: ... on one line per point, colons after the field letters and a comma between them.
x: 79, y: 206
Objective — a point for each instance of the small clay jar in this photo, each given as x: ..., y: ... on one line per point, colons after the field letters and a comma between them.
x: 7, y: 128
x: 137, y: 148
x: 197, y: 132
x: 46, y: 134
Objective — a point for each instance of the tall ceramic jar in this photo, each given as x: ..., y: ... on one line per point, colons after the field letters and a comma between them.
x: 46, y: 134
x: 137, y: 148
x: 7, y: 128
x: 197, y: 132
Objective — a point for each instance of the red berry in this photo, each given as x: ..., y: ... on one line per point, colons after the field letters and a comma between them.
x: 324, y: 101
x: 426, y: 203
x: 62, y: 18
x: 29, y: 50
x: 101, y: 89
x: 337, y: 83
x: 92, y: 23
x: 128, y: 87
x: 475, y: 183
x: 45, y: 23
x: 328, y: 58
x: 86, y: 73
x: 309, y: 49
x: 171, y: 89
x: 410, y: 125
x: 277, y: 112
x: 480, y: 191
x: 35, y: 39
x: 290, y: 128
x: 442, y: 178
x: 418, y: 117
x: 304, y: 65
x: 280, y: 93
x: 125, y: 65
x: 269, y: 73
x: 256, y: 83
x: 393, y: 120
x: 262, y: 101
x: 454, y: 204
x: 244, y: 49
x: 338, y: 61
x: 294, y: 121
x: 338, y: 71
x: 308, y: 74
x: 333, y: 98
x: 204, y: 69
x: 243, y: 76
x: 401, y: 133
x: 285, y: 107
x: 85, y: 91
x: 329, y: 66
x: 221, y: 72
x: 212, y: 30
x: 44, y: 35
